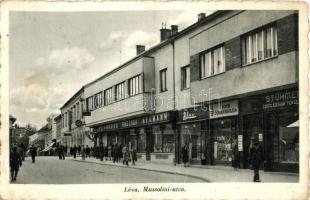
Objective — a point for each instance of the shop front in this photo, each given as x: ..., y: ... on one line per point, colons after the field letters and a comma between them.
x: 223, y: 126
x: 153, y: 135
x: 192, y: 133
x: 272, y: 119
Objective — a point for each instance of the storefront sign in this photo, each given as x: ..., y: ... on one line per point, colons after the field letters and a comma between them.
x: 152, y: 119
x: 224, y: 109
x: 194, y: 113
x: 240, y: 142
x: 281, y: 99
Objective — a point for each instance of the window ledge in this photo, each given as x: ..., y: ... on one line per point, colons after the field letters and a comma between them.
x: 212, y: 75
x: 184, y: 89
x: 273, y: 57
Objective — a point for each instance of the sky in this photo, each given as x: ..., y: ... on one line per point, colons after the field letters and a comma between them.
x: 53, y: 54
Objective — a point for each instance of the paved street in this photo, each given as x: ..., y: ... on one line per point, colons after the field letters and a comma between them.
x: 51, y: 170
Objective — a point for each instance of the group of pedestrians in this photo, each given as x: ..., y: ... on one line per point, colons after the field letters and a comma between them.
x: 61, y: 151
x: 115, y: 152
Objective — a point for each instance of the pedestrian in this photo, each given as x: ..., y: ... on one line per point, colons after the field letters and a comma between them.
x: 87, y: 151
x: 63, y: 152
x: 109, y: 152
x: 79, y: 149
x: 71, y: 151
x: 101, y: 152
x: 83, y: 152
x: 23, y: 147
x: 185, y: 155
x: 256, y: 155
x: 235, y: 155
x: 58, y: 150
x: 15, y: 163
x: 33, y: 152
x: 74, y: 151
x: 126, y: 156
x: 120, y: 153
x: 123, y: 154
x: 134, y: 155
x: 106, y: 152
x: 20, y: 152
x: 115, y: 153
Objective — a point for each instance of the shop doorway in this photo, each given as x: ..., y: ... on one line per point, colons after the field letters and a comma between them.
x: 252, y: 129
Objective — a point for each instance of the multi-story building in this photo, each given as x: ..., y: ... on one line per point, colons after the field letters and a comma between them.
x: 227, y: 79
x: 73, y: 131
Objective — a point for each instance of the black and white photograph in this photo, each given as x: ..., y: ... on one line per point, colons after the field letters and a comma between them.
x: 155, y: 100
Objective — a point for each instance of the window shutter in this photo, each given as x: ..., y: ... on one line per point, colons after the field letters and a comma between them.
x: 194, y: 68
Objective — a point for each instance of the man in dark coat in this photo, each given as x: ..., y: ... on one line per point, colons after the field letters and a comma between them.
x: 115, y: 153
x: 87, y: 151
x: 101, y: 152
x: 74, y: 151
x: 256, y: 155
x: 33, y: 152
x: 185, y: 155
x: 15, y: 163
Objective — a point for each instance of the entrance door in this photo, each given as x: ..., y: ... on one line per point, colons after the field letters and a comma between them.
x: 252, y: 127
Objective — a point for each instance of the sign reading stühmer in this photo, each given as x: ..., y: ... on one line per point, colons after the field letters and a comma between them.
x: 224, y: 109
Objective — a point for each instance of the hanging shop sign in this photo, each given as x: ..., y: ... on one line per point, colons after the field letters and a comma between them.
x: 194, y: 113
x: 224, y: 109
x: 280, y: 99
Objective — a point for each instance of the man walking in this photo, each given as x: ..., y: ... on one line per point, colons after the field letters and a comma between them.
x: 87, y: 151
x: 256, y: 155
x: 33, y: 152
x: 74, y: 151
x: 15, y: 163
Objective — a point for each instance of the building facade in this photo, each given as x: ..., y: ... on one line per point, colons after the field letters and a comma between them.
x: 223, y: 81
x: 73, y: 130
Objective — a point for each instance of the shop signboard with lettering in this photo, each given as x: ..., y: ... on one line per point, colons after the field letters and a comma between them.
x: 194, y: 113
x: 280, y: 99
x: 224, y: 109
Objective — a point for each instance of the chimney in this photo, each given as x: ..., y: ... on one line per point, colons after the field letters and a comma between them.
x: 140, y: 49
x: 174, y: 29
x: 201, y: 16
x: 165, y: 33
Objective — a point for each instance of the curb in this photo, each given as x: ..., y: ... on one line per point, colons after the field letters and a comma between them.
x: 154, y: 170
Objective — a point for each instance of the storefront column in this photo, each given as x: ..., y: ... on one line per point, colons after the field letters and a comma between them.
x: 148, y: 131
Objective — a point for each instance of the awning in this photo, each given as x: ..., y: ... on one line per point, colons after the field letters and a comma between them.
x: 48, y: 147
x: 294, y: 125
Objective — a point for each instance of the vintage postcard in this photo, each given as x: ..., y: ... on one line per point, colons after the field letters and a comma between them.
x: 154, y: 100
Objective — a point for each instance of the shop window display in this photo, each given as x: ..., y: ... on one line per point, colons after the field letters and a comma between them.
x: 288, y: 139
x: 163, y: 139
x: 223, y: 131
x: 191, y: 137
x: 141, y: 141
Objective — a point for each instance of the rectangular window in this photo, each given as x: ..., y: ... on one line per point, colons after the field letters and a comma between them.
x: 120, y: 91
x: 78, y: 110
x: 108, y: 96
x: 260, y: 45
x: 90, y: 104
x: 135, y: 85
x: 163, y: 80
x: 185, y: 77
x: 212, y: 62
x: 98, y: 100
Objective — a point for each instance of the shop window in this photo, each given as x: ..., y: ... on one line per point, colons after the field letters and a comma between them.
x: 163, y: 138
x: 212, y: 62
x: 141, y: 141
x: 191, y: 137
x: 223, y: 133
x: 259, y: 45
x: 288, y: 138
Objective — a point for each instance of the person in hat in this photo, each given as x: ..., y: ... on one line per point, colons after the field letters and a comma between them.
x: 256, y: 155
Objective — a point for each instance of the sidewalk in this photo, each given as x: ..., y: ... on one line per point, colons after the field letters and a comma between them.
x: 205, y: 173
